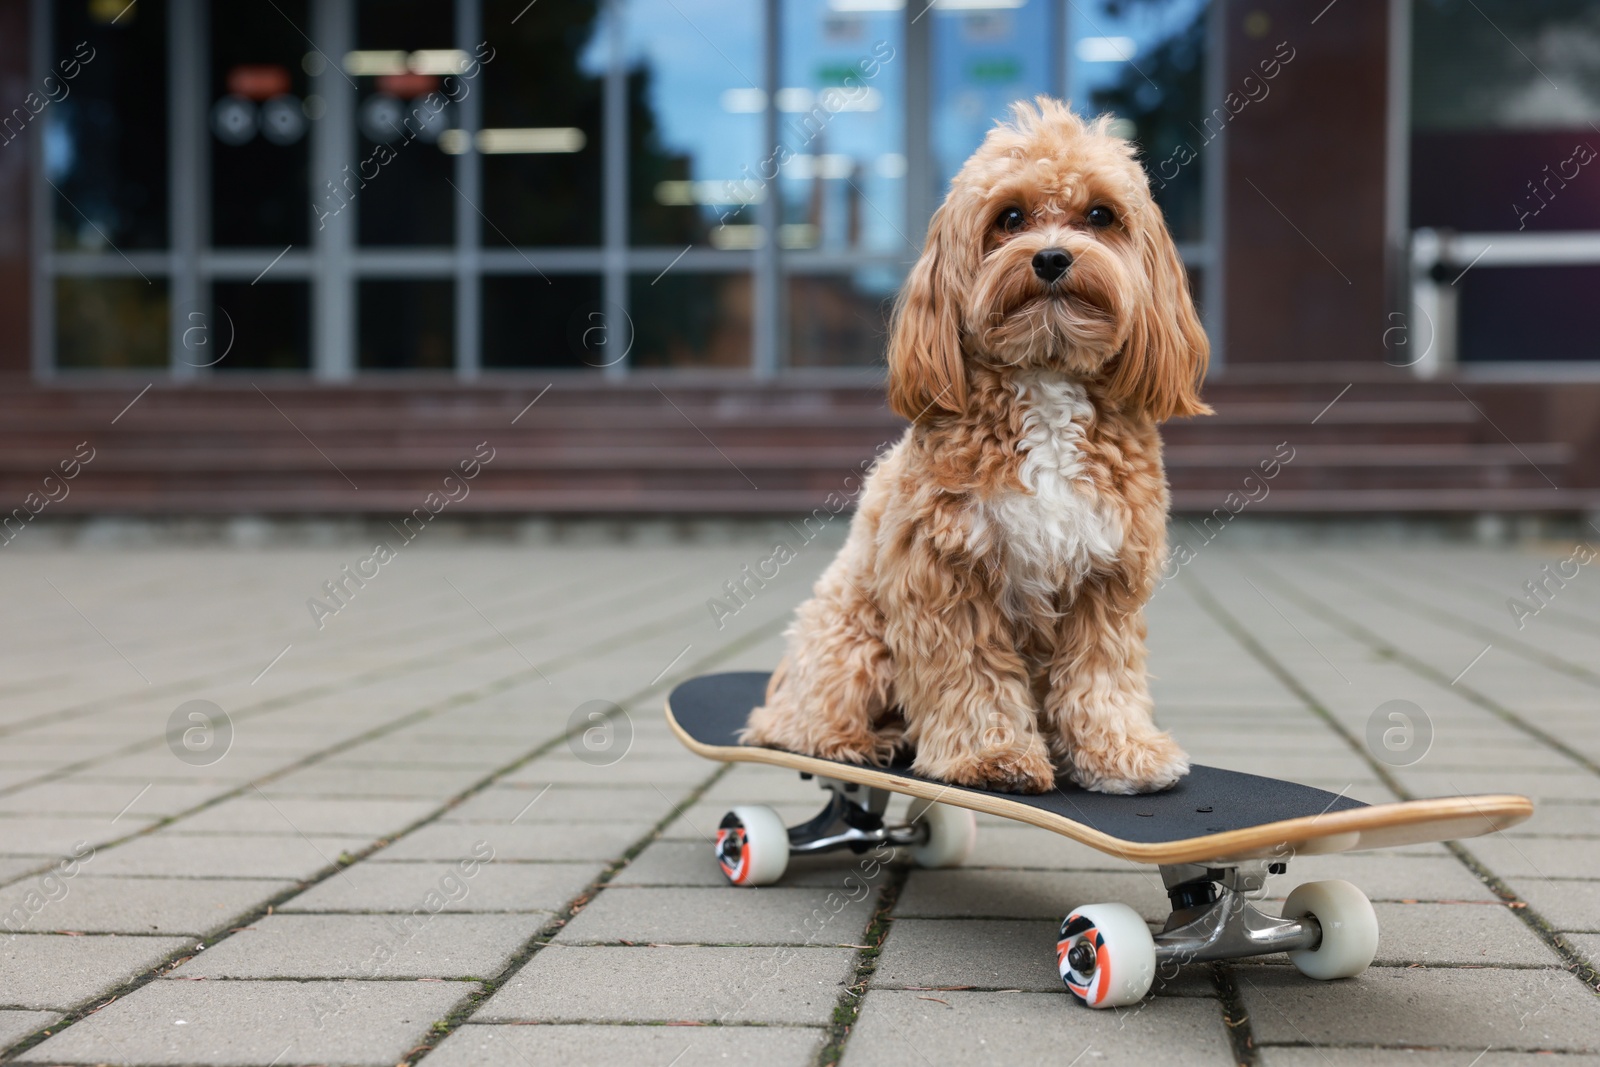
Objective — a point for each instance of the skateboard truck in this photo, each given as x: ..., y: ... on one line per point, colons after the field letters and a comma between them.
x: 753, y: 845
x: 852, y: 819
x: 1214, y: 917
x: 1108, y: 958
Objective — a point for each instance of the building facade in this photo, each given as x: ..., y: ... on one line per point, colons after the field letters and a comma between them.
x: 334, y: 191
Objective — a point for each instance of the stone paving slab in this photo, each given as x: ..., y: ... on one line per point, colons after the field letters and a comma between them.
x: 367, y: 946
x: 798, y: 986
x: 1567, y: 905
x: 502, y: 804
x: 671, y: 774
x: 775, y: 915
x: 1005, y: 1029
x: 1561, y: 817
x: 1424, y: 874
x: 1555, y: 783
x: 250, y: 1024
x: 108, y: 799
x: 226, y: 856
x: 1536, y: 857
x: 14, y: 867
x: 117, y: 905
x: 521, y: 841
x: 963, y: 894
x: 16, y: 1024
x: 57, y: 972
x: 1467, y: 1009
x: 1321, y: 1056
x: 1588, y: 944
x: 627, y: 1046
x: 252, y: 814
x: 402, y: 887
x: 28, y: 836
x: 384, y: 754
x: 325, y: 781
x: 1465, y: 934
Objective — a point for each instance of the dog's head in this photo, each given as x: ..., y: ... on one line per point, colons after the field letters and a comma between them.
x: 1049, y: 253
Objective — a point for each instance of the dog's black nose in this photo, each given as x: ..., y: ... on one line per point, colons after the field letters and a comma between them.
x: 1051, y: 263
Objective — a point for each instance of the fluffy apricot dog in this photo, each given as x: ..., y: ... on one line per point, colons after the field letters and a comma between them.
x: 987, y: 607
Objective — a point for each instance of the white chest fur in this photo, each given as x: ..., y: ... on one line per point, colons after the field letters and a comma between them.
x: 1056, y: 530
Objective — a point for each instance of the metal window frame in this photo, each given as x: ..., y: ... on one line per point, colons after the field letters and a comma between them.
x: 1209, y: 255
x: 334, y: 263
x: 1397, y: 157
x: 188, y: 202
x: 41, y: 226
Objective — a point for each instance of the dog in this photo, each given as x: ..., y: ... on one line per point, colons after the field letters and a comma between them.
x: 986, y: 609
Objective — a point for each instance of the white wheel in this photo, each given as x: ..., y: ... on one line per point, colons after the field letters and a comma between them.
x: 1106, y: 955
x: 1349, y: 929
x: 752, y: 845
x: 952, y: 834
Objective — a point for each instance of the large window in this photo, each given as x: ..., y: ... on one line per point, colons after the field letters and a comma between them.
x: 344, y: 187
x: 1505, y: 161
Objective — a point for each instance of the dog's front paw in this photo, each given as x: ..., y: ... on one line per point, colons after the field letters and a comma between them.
x: 774, y: 725
x: 1143, y: 763
x: 872, y: 748
x: 1025, y: 771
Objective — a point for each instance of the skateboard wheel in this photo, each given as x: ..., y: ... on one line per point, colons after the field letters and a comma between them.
x: 1349, y: 929
x: 1106, y: 955
x: 952, y: 834
x: 752, y: 845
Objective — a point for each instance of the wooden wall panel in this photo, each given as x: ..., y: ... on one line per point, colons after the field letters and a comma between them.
x: 1305, y: 182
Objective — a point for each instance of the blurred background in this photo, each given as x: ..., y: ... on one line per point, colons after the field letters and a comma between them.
x: 289, y: 258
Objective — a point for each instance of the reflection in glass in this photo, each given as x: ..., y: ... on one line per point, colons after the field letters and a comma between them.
x: 842, y: 119
x: 691, y: 320
x: 984, y: 58
x: 841, y: 320
x: 1505, y: 98
x: 554, y: 321
x: 105, y: 126
x: 259, y: 125
x: 1534, y: 313
x: 269, y: 325
x: 406, y: 325
x: 547, y: 75
x: 404, y: 195
x: 1144, y: 61
x: 111, y: 323
x: 696, y: 159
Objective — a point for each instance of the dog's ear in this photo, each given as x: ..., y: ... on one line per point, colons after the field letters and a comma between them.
x: 1160, y: 368
x: 926, y: 370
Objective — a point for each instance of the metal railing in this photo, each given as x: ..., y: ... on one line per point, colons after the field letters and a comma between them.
x: 1428, y: 341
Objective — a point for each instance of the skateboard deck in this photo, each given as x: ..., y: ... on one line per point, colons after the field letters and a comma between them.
x: 1212, y: 815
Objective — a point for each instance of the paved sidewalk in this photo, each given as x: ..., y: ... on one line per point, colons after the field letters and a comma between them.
x: 229, y: 837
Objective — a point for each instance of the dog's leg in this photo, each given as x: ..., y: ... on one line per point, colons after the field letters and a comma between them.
x: 964, y: 688
x: 1098, y: 703
x: 834, y: 683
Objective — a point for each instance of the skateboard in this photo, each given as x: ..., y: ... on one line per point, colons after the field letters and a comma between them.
x: 1216, y: 836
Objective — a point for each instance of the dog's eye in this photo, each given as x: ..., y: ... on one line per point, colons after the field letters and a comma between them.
x: 1101, y: 216
x: 1011, y: 220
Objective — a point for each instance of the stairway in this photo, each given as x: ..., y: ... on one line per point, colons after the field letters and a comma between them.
x: 676, y: 445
